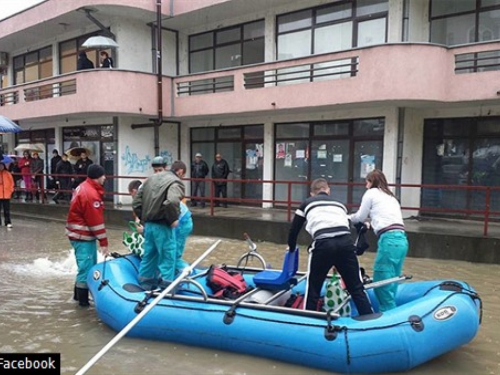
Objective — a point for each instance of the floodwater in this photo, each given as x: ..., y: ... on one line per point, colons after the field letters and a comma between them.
x: 37, y: 313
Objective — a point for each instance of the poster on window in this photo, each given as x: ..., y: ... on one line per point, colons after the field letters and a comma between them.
x: 280, y: 151
x: 367, y: 165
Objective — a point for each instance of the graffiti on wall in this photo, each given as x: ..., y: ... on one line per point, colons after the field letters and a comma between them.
x: 133, y: 163
x: 167, y: 156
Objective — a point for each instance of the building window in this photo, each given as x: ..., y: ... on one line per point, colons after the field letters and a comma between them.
x: 68, y: 53
x: 466, y: 21
x: 33, y: 66
x: 332, y: 28
x: 225, y: 48
x: 464, y: 151
x: 341, y: 151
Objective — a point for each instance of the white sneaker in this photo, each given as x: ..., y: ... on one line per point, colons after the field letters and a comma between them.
x: 9, y: 225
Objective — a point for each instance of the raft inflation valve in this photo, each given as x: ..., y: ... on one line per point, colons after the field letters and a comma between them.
x: 416, y: 323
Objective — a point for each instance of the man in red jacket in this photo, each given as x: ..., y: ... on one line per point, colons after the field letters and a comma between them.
x: 85, y: 226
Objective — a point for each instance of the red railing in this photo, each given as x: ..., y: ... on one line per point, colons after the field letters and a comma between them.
x: 478, y: 196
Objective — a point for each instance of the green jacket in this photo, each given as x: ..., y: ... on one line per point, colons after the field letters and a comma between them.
x: 158, y: 198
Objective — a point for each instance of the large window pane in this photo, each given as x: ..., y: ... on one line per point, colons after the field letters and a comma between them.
x: 365, y: 7
x: 253, y: 30
x: 369, y: 127
x: 295, y: 21
x: 367, y: 157
x: 228, y: 56
x: 203, y: 134
x: 371, y: 32
x: 291, y: 165
x: 489, y: 25
x: 68, y: 64
x: 294, y: 45
x: 46, y: 70
x: 333, y: 13
x: 292, y: 130
x: 254, y: 132
x: 333, y: 38
x: 201, y: 61
x: 31, y: 73
x: 253, y: 51
x: 338, y: 128
x: 229, y: 133
x: 453, y: 30
x: 443, y: 7
x: 227, y: 36
x: 201, y: 41
x: 487, y: 3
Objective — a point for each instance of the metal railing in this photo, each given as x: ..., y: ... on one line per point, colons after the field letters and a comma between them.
x: 9, y: 98
x: 485, y: 207
x: 206, y: 86
x: 50, y: 91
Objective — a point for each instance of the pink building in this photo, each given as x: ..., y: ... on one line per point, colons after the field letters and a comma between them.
x: 284, y: 89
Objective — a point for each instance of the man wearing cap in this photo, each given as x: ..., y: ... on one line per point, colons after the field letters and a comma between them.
x: 157, y: 205
x: 199, y: 169
x: 85, y: 226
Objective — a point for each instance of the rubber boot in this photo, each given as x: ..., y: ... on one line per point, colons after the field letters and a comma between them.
x: 83, y: 297
x: 75, y: 293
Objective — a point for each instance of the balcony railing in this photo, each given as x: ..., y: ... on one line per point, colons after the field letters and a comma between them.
x: 477, y: 62
x: 205, y: 86
x: 9, y: 98
x: 58, y: 89
x: 334, y: 69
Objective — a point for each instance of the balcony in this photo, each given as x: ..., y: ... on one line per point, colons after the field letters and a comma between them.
x: 418, y: 75
x: 411, y: 75
x: 95, y: 92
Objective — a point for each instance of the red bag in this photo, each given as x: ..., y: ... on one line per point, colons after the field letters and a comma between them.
x: 224, y: 283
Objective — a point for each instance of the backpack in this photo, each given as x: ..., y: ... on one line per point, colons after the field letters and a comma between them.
x: 226, y: 284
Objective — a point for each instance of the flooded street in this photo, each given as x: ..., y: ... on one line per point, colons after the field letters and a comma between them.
x: 38, y: 314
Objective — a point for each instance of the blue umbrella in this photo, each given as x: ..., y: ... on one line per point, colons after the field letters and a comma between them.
x: 6, y: 160
x: 8, y: 126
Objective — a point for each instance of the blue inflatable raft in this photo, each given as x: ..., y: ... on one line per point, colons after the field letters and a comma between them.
x: 432, y: 318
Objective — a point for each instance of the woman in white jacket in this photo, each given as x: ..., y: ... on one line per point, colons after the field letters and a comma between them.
x: 384, y: 210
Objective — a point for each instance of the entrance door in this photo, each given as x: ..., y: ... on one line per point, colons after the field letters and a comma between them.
x: 253, y: 170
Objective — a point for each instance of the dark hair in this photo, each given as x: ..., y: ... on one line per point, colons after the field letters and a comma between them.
x: 134, y: 185
x: 55, y: 151
x: 104, y: 53
x: 378, y: 180
x: 178, y: 164
x: 318, y: 185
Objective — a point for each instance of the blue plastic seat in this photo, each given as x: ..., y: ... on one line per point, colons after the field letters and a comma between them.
x: 276, y: 280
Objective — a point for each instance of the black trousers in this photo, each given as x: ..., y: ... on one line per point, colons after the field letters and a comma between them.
x: 198, y: 190
x: 5, y: 205
x: 221, y: 189
x: 64, y: 190
x: 338, y: 252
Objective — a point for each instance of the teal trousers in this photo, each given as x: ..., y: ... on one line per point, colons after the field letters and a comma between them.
x: 86, y: 258
x: 182, y: 232
x: 391, y: 253
x: 159, y: 254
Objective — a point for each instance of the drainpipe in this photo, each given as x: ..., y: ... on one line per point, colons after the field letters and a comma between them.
x: 159, y: 78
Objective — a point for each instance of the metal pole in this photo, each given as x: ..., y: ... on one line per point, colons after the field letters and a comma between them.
x: 131, y: 325
x: 159, y: 78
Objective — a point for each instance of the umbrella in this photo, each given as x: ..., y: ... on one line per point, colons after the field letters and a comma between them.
x: 28, y: 147
x: 100, y: 42
x: 75, y: 152
x: 6, y: 160
x: 8, y: 126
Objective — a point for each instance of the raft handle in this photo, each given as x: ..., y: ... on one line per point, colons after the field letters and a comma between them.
x: 416, y: 323
x: 331, y: 331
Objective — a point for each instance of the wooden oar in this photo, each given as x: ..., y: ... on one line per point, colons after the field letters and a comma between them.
x: 185, y: 272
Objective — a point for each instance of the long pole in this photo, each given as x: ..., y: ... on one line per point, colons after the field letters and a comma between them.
x: 131, y: 325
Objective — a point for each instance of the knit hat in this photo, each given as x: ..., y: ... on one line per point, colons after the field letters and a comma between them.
x: 158, y: 161
x: 95, y: 171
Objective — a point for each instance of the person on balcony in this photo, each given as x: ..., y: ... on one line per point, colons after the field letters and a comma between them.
x: 384, y: 210
x: 81, y: 167
x: 83, y: 62
x: 25, y: 167
x: 199, y: 169
x: 220, y: 171
x: 37, y: 164
x: 106, y: 61
x: 332, y: 245
x: 157, y: 205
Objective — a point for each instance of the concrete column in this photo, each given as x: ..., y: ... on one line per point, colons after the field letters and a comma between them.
x: 268, y: 189
x: 412, y: 159
x: 395, y: 24
x: 270, y: 38
x: 391, y: 144
x: 419, y: 26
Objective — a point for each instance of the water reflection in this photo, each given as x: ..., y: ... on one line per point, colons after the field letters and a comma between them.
x: 37, y: 312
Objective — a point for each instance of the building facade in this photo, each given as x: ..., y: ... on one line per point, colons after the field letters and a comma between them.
x: 286, y: 90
